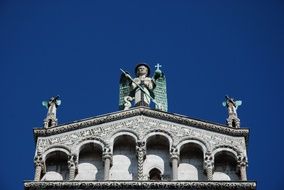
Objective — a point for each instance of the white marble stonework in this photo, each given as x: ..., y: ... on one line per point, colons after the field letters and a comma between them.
x: 141, y: 126
x: 120, y: 157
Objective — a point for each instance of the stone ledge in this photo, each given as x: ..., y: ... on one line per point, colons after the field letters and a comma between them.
x: 190, y: 185
x: 175, y: 118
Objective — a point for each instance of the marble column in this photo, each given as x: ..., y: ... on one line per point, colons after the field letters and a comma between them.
x: 243, y: 173
x: 38, y: 167
x: 209, y: 172
x: 174, y: 162
x: 107, y: 158
x: 141, y: 155
x: 242, y: 165
x: 209, y: 166
x: 72, y: 164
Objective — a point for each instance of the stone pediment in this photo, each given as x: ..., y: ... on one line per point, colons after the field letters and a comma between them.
x: 140, y: 122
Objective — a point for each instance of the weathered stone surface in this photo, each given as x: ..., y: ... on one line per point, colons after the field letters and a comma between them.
x: 88, y: 185
x: 129, y: 145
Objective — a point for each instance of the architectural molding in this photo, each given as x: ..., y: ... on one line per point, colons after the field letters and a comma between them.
x: 175, y: 118
x: 142, y: 127
x: 190, y: 185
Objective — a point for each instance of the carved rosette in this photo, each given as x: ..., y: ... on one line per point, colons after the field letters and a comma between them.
x: 73, y: 166
x: 141, y: 155
x: 209, y: 165
x: 38, y: 161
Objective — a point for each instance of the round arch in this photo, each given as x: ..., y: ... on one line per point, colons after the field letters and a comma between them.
x: 225, y: 148
x: 121, y: 133
x: 61, y: 148
x: 159, y: 133
x: 201, y: 144
x: 83, y: 142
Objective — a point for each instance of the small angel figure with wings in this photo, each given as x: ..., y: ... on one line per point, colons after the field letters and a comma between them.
x: 143, y: 89
x: 51, y: 106
x: 232, y: 105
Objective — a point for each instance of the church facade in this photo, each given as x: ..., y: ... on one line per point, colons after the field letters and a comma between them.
x: 141, y: 147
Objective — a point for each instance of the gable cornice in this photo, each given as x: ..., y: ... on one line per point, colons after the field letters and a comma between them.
x: 115, y: 116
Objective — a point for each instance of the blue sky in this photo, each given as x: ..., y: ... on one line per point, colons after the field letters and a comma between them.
x: 207, y: 48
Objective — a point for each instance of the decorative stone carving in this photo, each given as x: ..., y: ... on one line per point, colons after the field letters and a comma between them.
x: 51, y: 105
x: 209, y: 165
x: 174, y: 153
x: 107, y: 158
x: 232, y: 106
x: 131, y: 185
x: 174, y: 162
x: 38, y: 161
x: 141, y: 155
x: 177, y: 119
x: 242, y: 165
x: 140, y: 126
x: 73, y: 166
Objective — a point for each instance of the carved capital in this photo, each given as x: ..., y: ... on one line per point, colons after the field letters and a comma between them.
x: 141, y: 149
x: 174, y: 153
x: 208, y: 160
x: 242, y: 161
x: 72, y: 161
x: 38, y: 160
x: 107, y: 154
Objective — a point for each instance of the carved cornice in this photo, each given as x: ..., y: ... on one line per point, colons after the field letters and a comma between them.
x: 179, y: 119
x: 88, y: 185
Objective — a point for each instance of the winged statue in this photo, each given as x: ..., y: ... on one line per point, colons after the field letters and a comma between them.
x: 142, y: 90
x: 51, y: 106
x: 232, y: 105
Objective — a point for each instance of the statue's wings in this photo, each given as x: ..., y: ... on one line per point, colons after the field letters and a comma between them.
x: 238, y: 103
x: 58, y: 102
x: 45, y: 104
x: 160, y: 91
x: 124, y: 89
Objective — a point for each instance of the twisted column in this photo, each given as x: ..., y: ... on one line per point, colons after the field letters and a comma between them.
x: 38, y: 167
x: 174, y: 162
x: 242, y: 165
x: 107, y: 158
x: 209, y: 165
x: 141, y: 155
x: 72, y: 165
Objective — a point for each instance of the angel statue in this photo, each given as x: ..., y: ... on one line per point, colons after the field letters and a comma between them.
x: 51, y: 106
x: 232, y: 105
x: 143, y: 89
